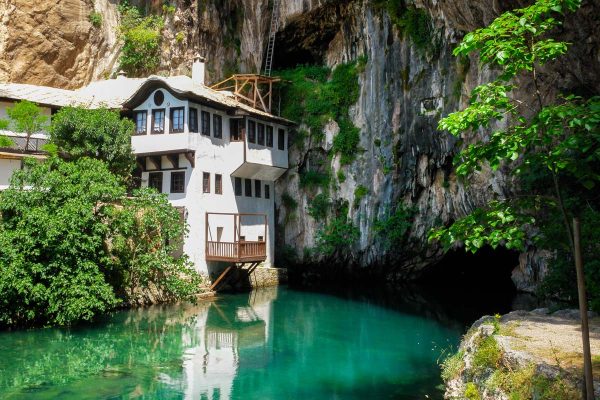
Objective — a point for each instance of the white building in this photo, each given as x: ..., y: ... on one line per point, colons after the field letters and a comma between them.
x: 215, y: 157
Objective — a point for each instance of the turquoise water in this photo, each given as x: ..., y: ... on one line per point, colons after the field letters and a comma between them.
x: 270, y: 344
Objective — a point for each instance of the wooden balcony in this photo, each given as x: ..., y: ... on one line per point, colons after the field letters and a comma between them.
x: 243, y: 251
x: 240, y: 249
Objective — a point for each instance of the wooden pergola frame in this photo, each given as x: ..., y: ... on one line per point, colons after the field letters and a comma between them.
x: 251, y: 89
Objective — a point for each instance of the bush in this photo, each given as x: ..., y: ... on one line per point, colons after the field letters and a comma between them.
x: 319, y: 206
x: 141, y: 37
x: 359, y: 193
x: 393, y: 227
x: 336, y: 236
x: 314, y: 179
x: 64, y: 239
x: 487, y: 356
x: 452, y: 366
x: 95, y: 19
x: 101, y: 134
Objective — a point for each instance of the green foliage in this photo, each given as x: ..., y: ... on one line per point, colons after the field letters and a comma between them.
x: 414, y: 22
x: 471, y: 392
x: 314, y: 179
x: 289, y: 202
x: 525, y: 383
x: 341, y: 176
x: 101, y: 134
x: 498, y: 225
x: 141, y: 36
x: 487, y: 355
x: 393, y: 227
x: 6, y: 141
x: 453, y: 365
x: 338, y: 235
x: 24, y: 117
x: 95, y: 19
x: 60, y: 222
x: 180, y: 36
x: 169, y: 8
x: 314, y: 95
x: 319, y: 206
x: 359, y: 193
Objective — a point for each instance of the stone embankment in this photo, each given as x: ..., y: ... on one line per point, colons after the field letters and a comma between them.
x: 522, y: 355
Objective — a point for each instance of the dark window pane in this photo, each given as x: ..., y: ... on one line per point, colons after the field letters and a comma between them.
x: 270, y: 136
x: 141, y: 118
x: 267, y: 192
x: 281, y: 139
x: 205, y: 123
x: 193, y: 120
x: 178, y: 182
x: 261, y: 134
x: 238, y: 186
x: 251, y: 131
x: 159, y: 97
x: 257, y: 187
x: 177, y: 120
x: 218, y: 184
x: 248, y: 187
x: 155, y: 180
x: 158, y: 121
x: 234, y: 132
x: 217, y: 126
x: 206, y: 182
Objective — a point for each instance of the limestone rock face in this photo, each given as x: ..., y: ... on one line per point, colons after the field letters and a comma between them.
x: 53, y: 43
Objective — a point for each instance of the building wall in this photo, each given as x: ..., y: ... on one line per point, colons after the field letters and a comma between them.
x: 213, y: 156
x: 7, y: 167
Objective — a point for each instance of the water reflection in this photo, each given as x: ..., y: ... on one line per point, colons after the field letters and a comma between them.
x: 269, y: 344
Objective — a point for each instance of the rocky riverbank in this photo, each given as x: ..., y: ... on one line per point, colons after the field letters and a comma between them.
x: 522, y: 355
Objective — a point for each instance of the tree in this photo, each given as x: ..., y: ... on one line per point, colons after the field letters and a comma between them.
x: 552, y: 144
x: 24, y: 117
x: 100, y: 134
x: 66, y: 228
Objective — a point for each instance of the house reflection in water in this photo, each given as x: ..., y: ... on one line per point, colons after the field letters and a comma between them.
x: 231, y: 335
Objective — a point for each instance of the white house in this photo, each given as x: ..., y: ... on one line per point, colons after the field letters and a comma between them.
x: 215, y: 157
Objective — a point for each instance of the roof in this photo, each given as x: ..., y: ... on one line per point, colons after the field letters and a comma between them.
x: 124, y: 92
x: 43, y: 95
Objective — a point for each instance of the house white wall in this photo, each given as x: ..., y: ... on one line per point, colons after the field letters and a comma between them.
x: 212, y: 156
x: 7, y: 167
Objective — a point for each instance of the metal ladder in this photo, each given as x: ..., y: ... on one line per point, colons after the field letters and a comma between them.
x: 272, y: 33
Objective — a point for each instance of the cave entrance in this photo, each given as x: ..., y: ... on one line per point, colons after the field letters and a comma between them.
x: 474, y: 284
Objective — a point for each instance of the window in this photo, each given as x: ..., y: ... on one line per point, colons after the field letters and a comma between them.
x: 261, y: 134
x: 178, y: 182
x: 193, y: 120
x: 236, y: 130
x: 177, y: 120
x: 251, y: 131
x: 238, y: 186
x: 155, y: 181
x: 205, y: 182
x: 218, y: 184
x: 205, y: 123
x: 257, y: 187
x: 248, y: 187
x: 281, y: 139
x: 159, y: 97
x: 217, y: 126
x: 261, y: 238
x: 269, y: 136
x: 267, y: 192
x: 141, y: 118
x: 158, y: 121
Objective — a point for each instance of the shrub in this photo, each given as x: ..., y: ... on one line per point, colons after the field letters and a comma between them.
x: 319, y: 206
x: 487, y: 356
x: 471, y: 392
x: 95, y: 19
x: 336, y: 236
x: 452, y: 366
x: 101, y: 134
x: 289, y: 202
x: 141, y: 37
x: 62, y: 244
x: 359, y: 193
x: 341, y: 176
x: 393, y: 226
x: 314, y: 179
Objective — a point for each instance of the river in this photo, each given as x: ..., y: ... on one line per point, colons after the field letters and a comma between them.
x: 273, y: 343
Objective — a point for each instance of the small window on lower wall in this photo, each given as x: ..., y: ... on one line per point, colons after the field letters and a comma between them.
x: 218, y: 184
x: 267, y: 192
x: 205, y: 182
x: 238, y: 186
x: 248, y: 187
x: 178, y: 182
x: 257, y: 189
x: 281, y: 139
x: 155, y: 180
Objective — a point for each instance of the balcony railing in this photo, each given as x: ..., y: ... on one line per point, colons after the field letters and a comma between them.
x: 242, y: 251
x: 20, y: 144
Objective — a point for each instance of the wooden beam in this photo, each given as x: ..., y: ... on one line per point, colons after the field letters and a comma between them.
x: 191, y: 157
x: 156, y: 160
x: 174, y: 160
x: 220, y: 278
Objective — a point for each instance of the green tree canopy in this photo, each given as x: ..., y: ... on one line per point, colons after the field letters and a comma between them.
x: 100, y: 134
x: 24, y: 117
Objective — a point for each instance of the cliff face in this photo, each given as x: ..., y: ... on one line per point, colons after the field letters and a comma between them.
x: 404, y: 89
